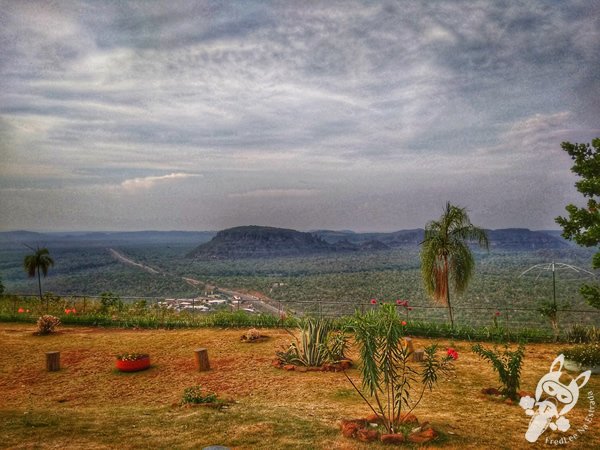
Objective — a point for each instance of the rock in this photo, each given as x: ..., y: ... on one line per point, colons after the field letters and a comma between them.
x: 302, y: 369
x: 366, y: 435
x: 362, y: 423
x: 374, y: 418
x: 349, y: 429
x: 490, y: 391
x: 289, y: 367
x: 425, y: 426
x: 392, y: 438
x: 276, y: 363
x: 508, y: 401
x: 408, y: 418
x: 421, y: 437
x: 345, y: 364
x: 526, y: 394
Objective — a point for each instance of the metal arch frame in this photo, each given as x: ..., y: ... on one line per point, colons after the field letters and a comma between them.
x: 554, y: 266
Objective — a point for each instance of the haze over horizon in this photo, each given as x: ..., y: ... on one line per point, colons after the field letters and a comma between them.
x: 366, y: 116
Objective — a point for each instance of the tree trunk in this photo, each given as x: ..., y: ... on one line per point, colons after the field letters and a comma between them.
x: 448, y: 291
x: 202, y: 359
x: 40, y: 287
x: 52, y: 361
x: 419, y: 355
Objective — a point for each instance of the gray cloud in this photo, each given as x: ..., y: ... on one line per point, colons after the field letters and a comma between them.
x: 342, y: 114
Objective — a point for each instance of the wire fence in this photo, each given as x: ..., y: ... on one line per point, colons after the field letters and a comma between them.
x: 508, y: 317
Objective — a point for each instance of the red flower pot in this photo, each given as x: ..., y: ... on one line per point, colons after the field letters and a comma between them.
x: 133, y: 366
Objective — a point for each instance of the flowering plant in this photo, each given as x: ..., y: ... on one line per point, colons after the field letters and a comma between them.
x: 587, y: 355
x: 452, y: 353
x: 131, y: 356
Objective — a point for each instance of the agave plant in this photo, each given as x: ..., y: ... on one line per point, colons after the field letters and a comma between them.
x: 316, y: 345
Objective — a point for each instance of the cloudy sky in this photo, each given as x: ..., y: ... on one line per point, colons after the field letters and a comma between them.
x: 198, y: 115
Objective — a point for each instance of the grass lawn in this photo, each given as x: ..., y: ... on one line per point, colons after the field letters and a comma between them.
x: 87, y: 404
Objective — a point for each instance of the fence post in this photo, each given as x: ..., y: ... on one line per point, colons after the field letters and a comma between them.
x: 52, y: 361
x: 202, y: 359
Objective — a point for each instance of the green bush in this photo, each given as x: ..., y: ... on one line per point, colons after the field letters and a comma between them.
x: 110, y: 302
x: 196, y: 395
x: 587, y: 355
x: 507, y: 364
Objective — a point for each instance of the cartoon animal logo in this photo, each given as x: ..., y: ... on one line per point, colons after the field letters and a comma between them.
x: 558, y: 400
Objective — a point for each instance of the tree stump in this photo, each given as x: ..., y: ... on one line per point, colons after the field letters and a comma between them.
x: 418, y: 355
x: 52, y: 361
x: 202, y: 359
x: 409, y: 345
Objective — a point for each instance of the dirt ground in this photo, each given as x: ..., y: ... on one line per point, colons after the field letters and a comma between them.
x: 88, y: 404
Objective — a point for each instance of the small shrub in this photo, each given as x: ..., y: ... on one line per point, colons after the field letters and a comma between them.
x: 251, y: 335
x: 46, y: 324
x: 389, y: 376
x: 587, y: 355
x: 507, y: 364
x: 579, y: 334
x: 196, y: 395
x: 110, y: 303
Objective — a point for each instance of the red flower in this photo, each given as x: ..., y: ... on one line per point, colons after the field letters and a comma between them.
x: 452, y: 353
x: 373, y: 301
x: 497, y: 313
x: 402, y: 302
x: 67, y: 311
x: 73, y: 310
x: 404, y: 323
x: 410, y: 308
x: 20, y: 310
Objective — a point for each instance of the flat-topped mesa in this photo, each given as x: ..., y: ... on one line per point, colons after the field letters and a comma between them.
x: 264, y: 242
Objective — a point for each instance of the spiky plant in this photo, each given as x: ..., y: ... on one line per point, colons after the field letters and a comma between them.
x: 507, y: 364
x: 389, y: 377
x: 312, y: 349
x: 446, y: 260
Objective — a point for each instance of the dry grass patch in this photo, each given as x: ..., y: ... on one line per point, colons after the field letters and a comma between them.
x: 88, y: 404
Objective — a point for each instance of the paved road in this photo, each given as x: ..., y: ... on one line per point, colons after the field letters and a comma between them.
x: 130, y: 262
x: 257, y: 303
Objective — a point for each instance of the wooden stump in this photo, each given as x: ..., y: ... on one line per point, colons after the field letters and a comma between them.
x: 202, y: 359
x: 409, y: 345
x: 52, y: 361
x: 419, y: 355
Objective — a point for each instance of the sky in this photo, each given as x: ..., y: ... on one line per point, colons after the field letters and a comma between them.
x: 370, y: 116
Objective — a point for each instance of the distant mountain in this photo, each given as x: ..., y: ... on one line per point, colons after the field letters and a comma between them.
x: 99, y: 238
x: 524, y: 239
x: 266, y: 242
x: 520, y: 239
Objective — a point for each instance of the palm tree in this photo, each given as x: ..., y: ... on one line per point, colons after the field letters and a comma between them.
x: 38, y: 262
x: 445, y: 254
